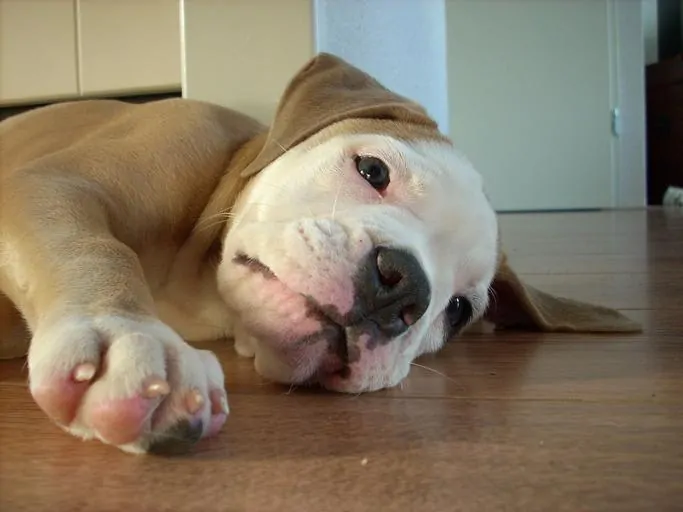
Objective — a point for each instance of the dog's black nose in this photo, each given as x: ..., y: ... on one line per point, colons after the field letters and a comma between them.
x: 392, y: 290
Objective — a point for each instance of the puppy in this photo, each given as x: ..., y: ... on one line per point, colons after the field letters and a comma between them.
x: 334, y: 247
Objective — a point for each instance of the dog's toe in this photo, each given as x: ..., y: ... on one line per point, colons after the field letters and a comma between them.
x: 219, y: 411
x: 179, y: 439
x: 121, y: 421
x: 141, y: 388
x: 63, y: 362
x: 60, y: 398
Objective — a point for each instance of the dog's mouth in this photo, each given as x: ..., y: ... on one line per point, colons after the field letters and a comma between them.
x: 332, y: 329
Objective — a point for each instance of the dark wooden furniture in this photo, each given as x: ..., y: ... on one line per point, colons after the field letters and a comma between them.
x: 664, y: 86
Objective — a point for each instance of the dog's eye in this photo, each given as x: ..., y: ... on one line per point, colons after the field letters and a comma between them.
x: 374, y: 170
x: 458, y: 313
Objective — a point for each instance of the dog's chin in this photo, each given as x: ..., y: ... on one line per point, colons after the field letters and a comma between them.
x: 335, y: 358
x: 288, y: 353
x: 296, y: 341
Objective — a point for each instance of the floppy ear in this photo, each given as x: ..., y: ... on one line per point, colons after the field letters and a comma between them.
x: 516, y: 305
x: 327, y: 90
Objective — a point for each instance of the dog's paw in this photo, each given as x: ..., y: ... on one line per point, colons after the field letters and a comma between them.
x: 133, y: 384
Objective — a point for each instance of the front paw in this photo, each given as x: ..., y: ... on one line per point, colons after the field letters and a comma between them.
x: 133, y: 384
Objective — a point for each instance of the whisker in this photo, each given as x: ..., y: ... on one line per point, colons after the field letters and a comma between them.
x: 221, y: 214
x: 336, y: 198
x: 493, y: 294
x: 308, y: 203
x: 437, y: 372
x: 213, y: 220
x: 209, y: 225
x: 279, y: 145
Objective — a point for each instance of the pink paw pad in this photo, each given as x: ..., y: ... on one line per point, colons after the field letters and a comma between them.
x: 219, y: 412
x: 60, y: 398
x: 123, y: 421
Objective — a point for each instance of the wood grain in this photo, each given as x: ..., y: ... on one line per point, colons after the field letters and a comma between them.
x: 505, y: 422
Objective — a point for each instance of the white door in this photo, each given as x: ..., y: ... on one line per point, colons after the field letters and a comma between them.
x: 530, y: 98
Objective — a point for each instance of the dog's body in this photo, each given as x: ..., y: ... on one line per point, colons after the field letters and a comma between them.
x: 104, y: 251
x: 334, y: 247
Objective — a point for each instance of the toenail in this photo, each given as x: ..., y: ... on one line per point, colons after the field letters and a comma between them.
x: 178, y: 439
x: 84, y: 372
x: 156, y: 387
x: 194, y: 401
x: 219, y: 402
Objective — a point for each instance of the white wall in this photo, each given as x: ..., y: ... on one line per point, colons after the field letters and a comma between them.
x: 241, y: 55
x: 400, y: 42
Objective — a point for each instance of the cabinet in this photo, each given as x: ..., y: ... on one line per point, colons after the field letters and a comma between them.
x: 37, y: 50
x: 129, y: 45
x: 664, y: 127
x: 242, y: 53
x: 55, y: 49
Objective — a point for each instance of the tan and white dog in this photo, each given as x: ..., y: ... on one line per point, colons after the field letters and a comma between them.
x: 335, y: 247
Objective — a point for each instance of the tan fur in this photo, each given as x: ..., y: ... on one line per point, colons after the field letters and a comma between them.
x: 105, y: 195
x: 105, y: 205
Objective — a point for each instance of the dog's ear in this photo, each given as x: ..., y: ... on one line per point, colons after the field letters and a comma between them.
x: 327, y: 90
x: 516, y: 305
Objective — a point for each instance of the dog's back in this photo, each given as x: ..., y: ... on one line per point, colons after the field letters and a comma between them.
x: 156, y: 159
x: 44, y: 131
x: 98, y: 125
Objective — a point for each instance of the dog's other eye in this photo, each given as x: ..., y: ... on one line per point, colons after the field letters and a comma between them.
x: 458, y: 313
x: 374, y: 170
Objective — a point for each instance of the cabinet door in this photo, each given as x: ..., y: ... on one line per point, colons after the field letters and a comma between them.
x: 37, y: 50
x: 129, y: 45
x: 242, y: 53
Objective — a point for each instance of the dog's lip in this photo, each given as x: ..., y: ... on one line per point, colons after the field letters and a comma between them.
x: 324, y: 317
x: 254, y: 265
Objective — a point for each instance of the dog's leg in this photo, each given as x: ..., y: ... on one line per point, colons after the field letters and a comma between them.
x: 101, y: 364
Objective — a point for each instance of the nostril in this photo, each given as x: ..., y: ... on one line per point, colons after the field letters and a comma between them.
x: 389, y: 275
x: 392, y: 291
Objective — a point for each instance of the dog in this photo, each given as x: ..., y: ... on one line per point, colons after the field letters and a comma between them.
x: 335, y: 247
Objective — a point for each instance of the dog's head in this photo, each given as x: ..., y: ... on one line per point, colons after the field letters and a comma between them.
x: 362, y: 240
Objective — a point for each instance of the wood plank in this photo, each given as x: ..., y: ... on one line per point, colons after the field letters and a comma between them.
x: 507, y: 421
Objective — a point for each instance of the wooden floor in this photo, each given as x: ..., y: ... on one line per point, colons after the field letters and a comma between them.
x: 506, y: 422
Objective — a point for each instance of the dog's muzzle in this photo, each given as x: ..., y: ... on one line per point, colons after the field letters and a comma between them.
x: 392, y: 292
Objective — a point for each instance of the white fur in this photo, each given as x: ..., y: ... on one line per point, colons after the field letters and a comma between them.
x: 135, y: 351
x: 310, y: 217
